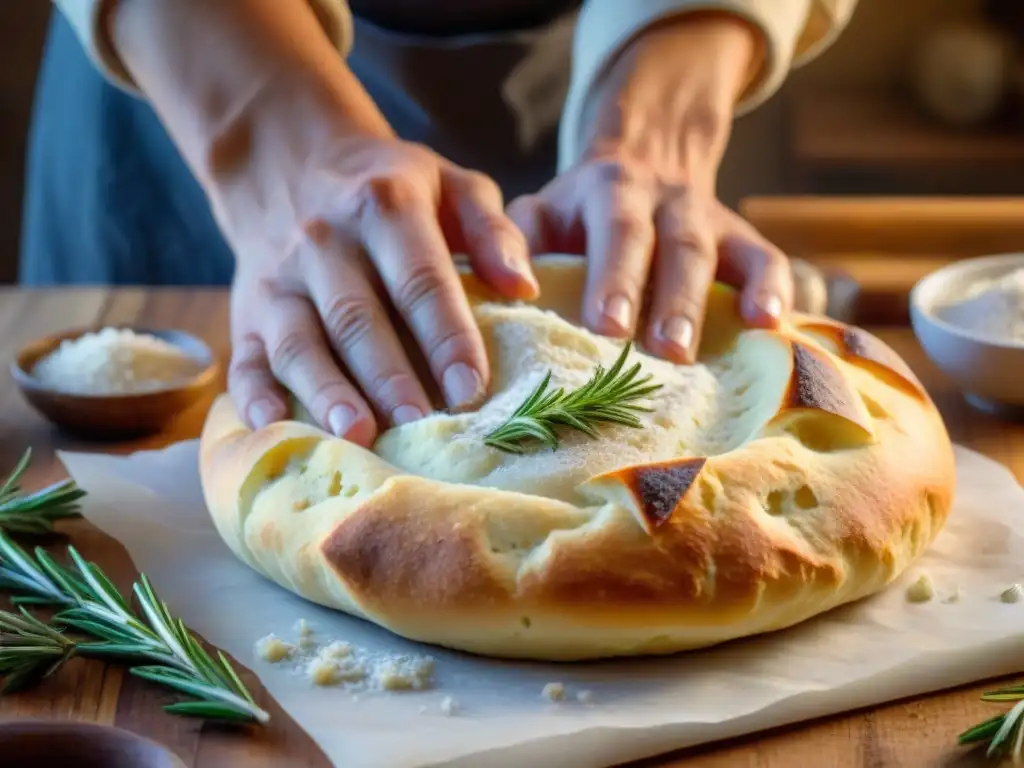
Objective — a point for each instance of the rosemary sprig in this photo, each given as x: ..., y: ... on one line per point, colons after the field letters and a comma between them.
x: 1004, y: 733
x: 90, y: 606
x: 607, y: 397
x: 35, y: 513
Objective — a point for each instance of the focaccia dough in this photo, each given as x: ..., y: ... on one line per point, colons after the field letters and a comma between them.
x: 787, y: 473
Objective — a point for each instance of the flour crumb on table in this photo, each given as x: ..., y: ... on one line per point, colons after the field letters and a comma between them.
x: 1012, y: 594
x: 922, y: 590
x: 585, y: 697
x: 553, y: 692
x: 993, y: 309
x: 954, y: 596
x: 114, y: 361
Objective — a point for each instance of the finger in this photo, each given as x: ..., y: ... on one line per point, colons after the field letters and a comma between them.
x: 496, y: 248
x: 618, y: 216
x: 301, y: 360
x: 406, y: 246
x: 764, y: 277
x: 684, y: 270
x: 359, y: 330
x: 527, y: 213
x: 255, y: 392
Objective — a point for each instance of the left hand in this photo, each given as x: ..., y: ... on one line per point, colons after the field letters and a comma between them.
x: 640, y: 203
x: 650, y: 238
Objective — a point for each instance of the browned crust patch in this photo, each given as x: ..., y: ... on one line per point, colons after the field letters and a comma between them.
x: 660, y: 488
x: 860, y: 348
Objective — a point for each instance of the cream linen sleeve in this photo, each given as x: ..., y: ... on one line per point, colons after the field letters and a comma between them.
x: 87, y: 19
x: 795, y: 31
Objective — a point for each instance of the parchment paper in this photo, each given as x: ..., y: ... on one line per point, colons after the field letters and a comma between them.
x: 875, y: 651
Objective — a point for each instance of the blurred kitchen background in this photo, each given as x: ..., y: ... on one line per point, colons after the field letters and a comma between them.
x: 917, y: 98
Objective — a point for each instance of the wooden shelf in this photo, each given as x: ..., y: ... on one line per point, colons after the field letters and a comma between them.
x: 858, y: 129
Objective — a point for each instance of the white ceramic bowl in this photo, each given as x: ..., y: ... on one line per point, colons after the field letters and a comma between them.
x: 989, y: 372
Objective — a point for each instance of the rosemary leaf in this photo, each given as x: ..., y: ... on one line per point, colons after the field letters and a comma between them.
x: 30, y: 651
x: 35, y: 513
x: 1004, y: 733
x: 608, y: 397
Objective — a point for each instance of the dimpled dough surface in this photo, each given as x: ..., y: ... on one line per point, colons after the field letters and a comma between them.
x: 788, y: 472
x: 690, y: 416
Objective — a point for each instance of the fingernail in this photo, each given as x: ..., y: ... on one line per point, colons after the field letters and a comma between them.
x: 262, y: 413
x: 341, y: 418
x: 514, y: 263
x: 678, y: 331
x: 462, y: 385
x: 403, y: 414
x: 619, y: 310
x: 771, y: 306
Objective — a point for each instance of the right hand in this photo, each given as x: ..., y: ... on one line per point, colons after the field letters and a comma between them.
x: 371, y: 215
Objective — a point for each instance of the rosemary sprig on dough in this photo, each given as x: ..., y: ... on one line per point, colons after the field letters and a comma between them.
x: 35, y: 513
x: 1004, y: 733
x: 94, y: 619
x: 608, y: 397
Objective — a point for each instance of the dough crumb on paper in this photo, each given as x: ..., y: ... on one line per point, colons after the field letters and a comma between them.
x: 271, y: 648
x: 1012, y: 594
x: 553, y: 692
x: 336, y: 663
x: 922, y: 590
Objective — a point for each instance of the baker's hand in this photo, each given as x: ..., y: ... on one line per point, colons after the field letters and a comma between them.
x: 652, y: 238
x: 373, y: 221
x: 640, y: 199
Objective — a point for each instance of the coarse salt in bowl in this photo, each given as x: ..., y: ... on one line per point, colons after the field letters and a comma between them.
x: 114, y: 361
x: 116, y: 382
x: 969, y: 318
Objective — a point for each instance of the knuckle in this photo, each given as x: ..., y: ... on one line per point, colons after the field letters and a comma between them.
x: 349, y: 319
x: 422, y: 283
x: 326, y: 394
x: 627, y: 226
x: 290, y: 349
x: 248, y: 357
x: 686, y: 243
x: 613, y: 171
x: 450, y: 344
x: 483, y: 185
x: 495, y: 226
x: 391, y: 387
x: 386, y: 196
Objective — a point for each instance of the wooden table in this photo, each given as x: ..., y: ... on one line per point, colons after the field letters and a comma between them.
x: 914, y: 733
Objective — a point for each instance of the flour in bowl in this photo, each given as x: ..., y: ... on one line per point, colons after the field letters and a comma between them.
x: 993, y: 309
x: 113, y: 362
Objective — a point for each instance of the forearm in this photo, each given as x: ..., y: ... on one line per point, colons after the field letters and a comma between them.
x: 667, y: 100
x: 209, y: 67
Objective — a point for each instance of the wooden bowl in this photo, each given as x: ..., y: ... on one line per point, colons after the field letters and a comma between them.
x: 46, y: 744
x: 120, y: 415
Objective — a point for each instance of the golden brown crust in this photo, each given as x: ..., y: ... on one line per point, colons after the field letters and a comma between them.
x: 844, y: 483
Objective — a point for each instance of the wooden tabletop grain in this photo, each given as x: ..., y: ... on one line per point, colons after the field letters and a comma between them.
x: 914, y: 733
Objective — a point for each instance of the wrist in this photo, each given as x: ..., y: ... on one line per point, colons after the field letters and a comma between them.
x: 667, y: 100
x: 220, y: 73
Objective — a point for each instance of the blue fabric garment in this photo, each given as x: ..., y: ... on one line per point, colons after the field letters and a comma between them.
x: 109, y: 200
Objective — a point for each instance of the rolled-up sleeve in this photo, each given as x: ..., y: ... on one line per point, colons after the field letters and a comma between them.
x: 794, y: 31
x: 87, y: 19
